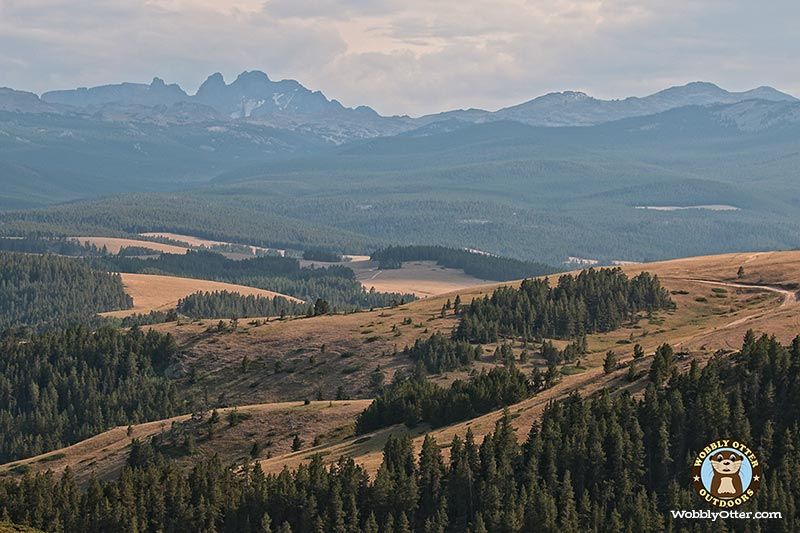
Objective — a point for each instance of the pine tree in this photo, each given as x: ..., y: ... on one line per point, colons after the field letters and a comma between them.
x: 266, y: 524
x: 638, y: 351
x: 297, y: 443
x: 610, y: 362
x: 568, y: 515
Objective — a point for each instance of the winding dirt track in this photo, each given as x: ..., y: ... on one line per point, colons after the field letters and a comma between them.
x: 789, y: 297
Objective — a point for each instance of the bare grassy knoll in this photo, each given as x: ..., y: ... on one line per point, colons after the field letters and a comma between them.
x: 293, y: 359
x: 114, y: 245
x: 160, y: 293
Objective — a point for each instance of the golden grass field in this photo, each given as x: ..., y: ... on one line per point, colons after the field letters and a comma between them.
x: 160, y: 293
x: 114, y: 244
x: 422, y: 278
x: 698, y: 327
x: 321, y: 353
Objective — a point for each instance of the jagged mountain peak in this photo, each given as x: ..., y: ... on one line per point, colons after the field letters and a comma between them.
x: 252, y: 76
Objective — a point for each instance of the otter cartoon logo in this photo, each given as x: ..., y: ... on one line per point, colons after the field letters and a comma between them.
x: 726, y: 473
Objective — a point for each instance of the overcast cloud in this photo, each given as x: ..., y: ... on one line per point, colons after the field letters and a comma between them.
x: 406, y: 56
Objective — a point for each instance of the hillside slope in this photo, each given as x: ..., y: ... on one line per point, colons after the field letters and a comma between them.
x: 152, y: 292
x: 715, y: 306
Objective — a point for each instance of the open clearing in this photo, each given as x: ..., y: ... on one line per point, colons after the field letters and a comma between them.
x: 298, y: 358
x: 422, y: 278
x: 114, y: 244
x: 188, y: 239
x: 160, y: 293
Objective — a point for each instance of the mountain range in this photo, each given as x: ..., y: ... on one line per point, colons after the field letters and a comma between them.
x: 254, y: 98
x: 557, y: 176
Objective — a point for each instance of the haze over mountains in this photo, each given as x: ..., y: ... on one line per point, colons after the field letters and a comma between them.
x: 253, y: 96
x: 566, y: 171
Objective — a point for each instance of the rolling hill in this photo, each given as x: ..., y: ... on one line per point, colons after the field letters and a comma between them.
x: 715, y: 305
x: 152, y: 292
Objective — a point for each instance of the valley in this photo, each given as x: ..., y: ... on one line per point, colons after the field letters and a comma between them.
x: 396, y: 267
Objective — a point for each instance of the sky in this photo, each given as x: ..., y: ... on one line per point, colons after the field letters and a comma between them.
x: 406, y: 56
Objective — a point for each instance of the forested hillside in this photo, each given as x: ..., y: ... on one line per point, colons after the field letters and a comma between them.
x: 230, y: 304
x: 534, y: 193
x: 593, y: 301
x: 604, y: 463
x: 418, y: 400
x: 47, y: 245
x: 43, y: 291
x: 67, y: 385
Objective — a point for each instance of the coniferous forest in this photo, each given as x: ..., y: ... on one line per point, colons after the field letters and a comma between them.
x: 67, y: 385
x: 593, y: 301
x: 42, y: 291
x: 604, y: 463
x: 230, y: 304
x: 417, y: 400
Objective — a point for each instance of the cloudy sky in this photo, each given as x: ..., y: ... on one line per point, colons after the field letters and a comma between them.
x: 406, y: 56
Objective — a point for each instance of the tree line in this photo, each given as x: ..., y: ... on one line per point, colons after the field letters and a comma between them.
x: 68, y: 385
x: 591, y: 302
x: 336, y: 284
x: 439, y: 353
x: 41, y: 291
x: 42, y: 244
x: 416, y: 400
x: 480, y: 265
x: 218, y: 304
x: 606, y: 463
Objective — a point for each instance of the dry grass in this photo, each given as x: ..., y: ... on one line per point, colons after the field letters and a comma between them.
x: 160, y: 293
x: 422, y: 278
x: 272, y: 425
x: 700, y: 328
x: 705, y: 321
x: 114, y: 244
